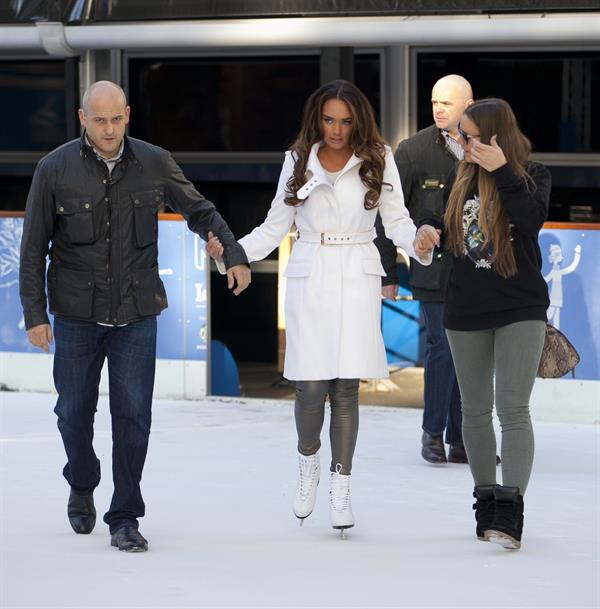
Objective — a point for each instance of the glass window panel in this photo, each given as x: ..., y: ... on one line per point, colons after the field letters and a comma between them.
x: 554, y: 95
x: 230, y: 104
x: 32, y: 105
x: 367, y: 79
x: 237, y: 104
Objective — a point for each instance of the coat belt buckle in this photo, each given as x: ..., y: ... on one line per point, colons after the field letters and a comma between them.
x: 322, y: 238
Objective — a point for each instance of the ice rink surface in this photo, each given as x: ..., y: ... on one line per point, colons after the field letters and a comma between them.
x: 218, y: 486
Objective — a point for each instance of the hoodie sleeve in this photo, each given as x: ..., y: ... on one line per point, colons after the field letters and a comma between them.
x: 526, y: 201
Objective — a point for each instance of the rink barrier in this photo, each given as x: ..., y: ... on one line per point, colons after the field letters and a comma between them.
x: 183, y: 357
x: 183, y: 328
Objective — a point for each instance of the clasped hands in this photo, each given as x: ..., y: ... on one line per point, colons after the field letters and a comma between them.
x: 238, y: 274
x: 426, y: 239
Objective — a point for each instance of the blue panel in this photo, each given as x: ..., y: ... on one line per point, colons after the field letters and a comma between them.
x: 196, y: 297
x: 225, y: 378
x: 400, y: 332
x: 12, y: 327
x: 574, y: 285
x: 182, y: 263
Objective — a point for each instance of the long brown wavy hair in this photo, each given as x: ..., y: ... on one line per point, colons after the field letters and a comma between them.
x: 493, y: 117
x: 365, y: 139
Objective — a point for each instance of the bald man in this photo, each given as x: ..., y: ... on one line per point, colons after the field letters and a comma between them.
x: 93, y: 208
x: 424, y: 162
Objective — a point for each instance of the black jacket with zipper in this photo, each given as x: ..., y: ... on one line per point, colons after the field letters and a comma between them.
x: 100, y: 232
x: 424, y: 163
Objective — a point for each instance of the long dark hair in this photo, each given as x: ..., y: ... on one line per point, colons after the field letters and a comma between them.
x: 365, y: 139
x: 493, y: 117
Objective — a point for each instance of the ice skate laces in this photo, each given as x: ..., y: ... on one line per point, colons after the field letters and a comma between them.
x: 340, y: 490
x: 308, y: 474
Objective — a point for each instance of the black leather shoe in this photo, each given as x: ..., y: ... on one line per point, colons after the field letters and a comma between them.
x: 457, y: 454
x: 128, y: 539
x: 81, y: 512
x: 432, y: 448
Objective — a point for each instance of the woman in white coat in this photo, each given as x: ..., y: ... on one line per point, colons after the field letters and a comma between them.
x: 335, y: 178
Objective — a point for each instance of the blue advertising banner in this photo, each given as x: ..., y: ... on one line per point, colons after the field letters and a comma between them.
x: 182, y: 328
x: 570, y: 267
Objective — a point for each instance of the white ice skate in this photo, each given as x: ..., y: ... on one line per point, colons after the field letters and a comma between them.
x: 308, y: 480
x: 340, y: 506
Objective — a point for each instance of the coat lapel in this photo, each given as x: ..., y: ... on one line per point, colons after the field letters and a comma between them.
x: 316, y: 173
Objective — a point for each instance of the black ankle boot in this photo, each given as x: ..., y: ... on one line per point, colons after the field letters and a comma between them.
x: 484, y: 508
x: 81, y: 512
x: 507, y: 525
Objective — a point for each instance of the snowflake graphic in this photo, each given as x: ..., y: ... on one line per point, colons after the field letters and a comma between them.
x: 11, y: 231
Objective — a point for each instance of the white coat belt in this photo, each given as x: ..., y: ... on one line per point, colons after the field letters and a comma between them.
x: 336, y: 238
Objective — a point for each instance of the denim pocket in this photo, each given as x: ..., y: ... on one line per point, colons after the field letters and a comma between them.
x: 76, y: 220
x: 145, y: 216
x: 149, y: 294
x: 71, y: 292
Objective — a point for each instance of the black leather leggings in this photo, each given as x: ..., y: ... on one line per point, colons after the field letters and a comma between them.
x: 343, y: 428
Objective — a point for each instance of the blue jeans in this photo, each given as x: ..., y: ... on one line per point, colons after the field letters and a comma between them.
x: 442, y: 396
x: 81, y: 348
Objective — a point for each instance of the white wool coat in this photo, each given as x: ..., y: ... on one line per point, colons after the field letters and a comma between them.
x: 333, y: 292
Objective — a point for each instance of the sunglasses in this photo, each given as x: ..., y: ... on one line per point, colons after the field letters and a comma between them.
x: 465, y: 136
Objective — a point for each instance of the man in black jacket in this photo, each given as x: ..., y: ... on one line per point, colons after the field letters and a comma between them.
x: 424, y: 162
x: 93, y: 209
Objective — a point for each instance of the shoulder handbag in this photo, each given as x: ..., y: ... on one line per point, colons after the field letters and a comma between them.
x: 559, y: 356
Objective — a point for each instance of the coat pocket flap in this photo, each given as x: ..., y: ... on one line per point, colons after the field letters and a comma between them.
x: 298, y: 268
x: 145, y: 278
x: 72, y: 279
x: 66, y: 207
x: 143, y: 198
x: 373, y: 266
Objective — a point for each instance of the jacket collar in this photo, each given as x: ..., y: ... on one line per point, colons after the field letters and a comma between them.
x: 87, y: 151
x: 317, y: 173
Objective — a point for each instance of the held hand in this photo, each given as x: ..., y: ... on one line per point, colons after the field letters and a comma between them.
x: 40, y: 336
x: 489, y: 157
x: 214, y: 248
x: 426, y: 239
x: 238, y: 277
x: 388, y: 292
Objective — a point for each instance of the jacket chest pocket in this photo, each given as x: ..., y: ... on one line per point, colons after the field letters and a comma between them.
x: 76, y: 220
x: 145, y: 216
x: 431, y: 198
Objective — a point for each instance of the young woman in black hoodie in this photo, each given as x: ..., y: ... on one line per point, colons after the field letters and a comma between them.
x: 495, y: 314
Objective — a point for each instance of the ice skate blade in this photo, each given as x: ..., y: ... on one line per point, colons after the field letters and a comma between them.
x: 342, y: 530
x: 302, y: 518
x: 503, y: 539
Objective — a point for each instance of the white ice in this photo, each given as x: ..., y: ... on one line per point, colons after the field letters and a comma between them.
x: 218, y: 486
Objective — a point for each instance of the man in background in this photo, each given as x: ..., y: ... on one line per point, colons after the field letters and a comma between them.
x: 424, y: 162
